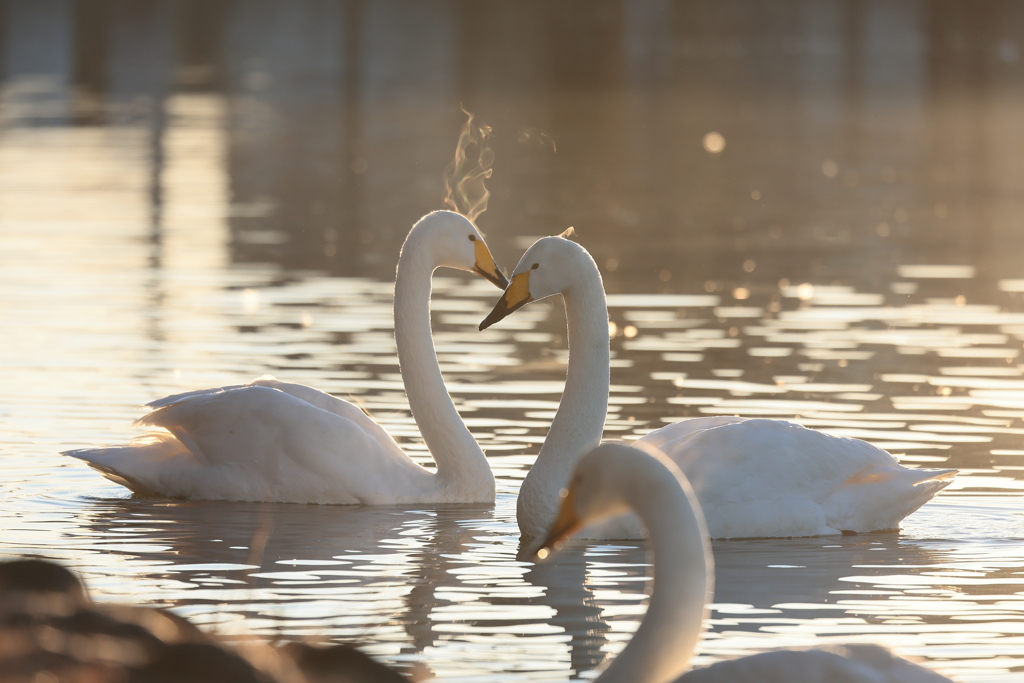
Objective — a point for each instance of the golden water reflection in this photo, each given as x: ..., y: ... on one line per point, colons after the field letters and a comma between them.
x: 440, y: 588
x: 159, y: 235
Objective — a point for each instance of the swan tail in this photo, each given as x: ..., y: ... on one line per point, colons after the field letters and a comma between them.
x: 141, y: 465
x: 881, y: 496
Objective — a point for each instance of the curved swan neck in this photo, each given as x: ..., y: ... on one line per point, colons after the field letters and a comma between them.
x: 579, y: 421
x: 661, y: 648
x: 458, y: 457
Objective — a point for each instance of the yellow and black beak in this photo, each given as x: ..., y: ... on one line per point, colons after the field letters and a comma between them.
x: 567, y: 523
x: 485, y: 266
x: 515, y: 297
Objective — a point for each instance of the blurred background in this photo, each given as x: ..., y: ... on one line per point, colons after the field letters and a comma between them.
x: 856, y: 134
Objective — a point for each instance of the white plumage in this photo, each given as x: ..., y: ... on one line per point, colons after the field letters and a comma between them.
x: 614, y: 478
x: 279, y: 442
x: 758, y: 478
x: 754, y: 477
x: 844, y: 663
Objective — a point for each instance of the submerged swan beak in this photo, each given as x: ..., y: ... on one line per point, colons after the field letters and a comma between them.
x: 485, y: 266
x: 515, y: 297
x: 567, y: 523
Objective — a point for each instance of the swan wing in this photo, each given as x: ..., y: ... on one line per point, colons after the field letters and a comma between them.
x: 663, y: 439
x: 759, y: 478
x: 321, y: 400
x: 255, y: 442
x: 184, y: 396
x: 310, y: 395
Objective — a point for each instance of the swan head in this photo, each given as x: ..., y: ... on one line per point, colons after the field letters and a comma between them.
x: 601, y: 487
x: 553, y: 265
x: 455, y: 243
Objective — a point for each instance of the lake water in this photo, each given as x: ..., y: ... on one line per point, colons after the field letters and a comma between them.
x: 195, y: 194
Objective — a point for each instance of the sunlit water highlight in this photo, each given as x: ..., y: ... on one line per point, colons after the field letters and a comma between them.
x: 102, y: 313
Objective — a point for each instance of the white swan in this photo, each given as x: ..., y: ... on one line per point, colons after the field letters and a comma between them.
x: 754, y: 477
x: 277, y: 442
x: 614, y: 478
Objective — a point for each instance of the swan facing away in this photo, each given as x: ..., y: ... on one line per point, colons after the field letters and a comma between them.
x: 753, y: 477
x: 614, y: 478
x: 273, y: 441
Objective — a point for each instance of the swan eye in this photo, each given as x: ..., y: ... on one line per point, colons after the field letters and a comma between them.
x: 472, y: 238
x: 535, y: 266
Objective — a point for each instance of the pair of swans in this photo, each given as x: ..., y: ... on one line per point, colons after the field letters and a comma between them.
x: 613, y: 479
x: 279, y: 442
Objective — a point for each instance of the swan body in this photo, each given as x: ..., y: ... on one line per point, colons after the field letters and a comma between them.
x: 753, y: 477
x: 760, y: 478
x: 614, y: 478
x: 273, y: 441
x: 847, y: 663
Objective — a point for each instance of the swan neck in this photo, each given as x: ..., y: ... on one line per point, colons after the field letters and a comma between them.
x: 584, y: 405
x: 662, y: 646
x: 458, y: 457
x: 579, y: 421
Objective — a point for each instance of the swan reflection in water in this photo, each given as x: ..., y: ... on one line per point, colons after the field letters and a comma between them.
x: 400, y: 581
x: 405, y: 582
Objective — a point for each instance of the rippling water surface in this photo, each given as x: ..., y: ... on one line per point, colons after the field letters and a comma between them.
x: 867, y: 290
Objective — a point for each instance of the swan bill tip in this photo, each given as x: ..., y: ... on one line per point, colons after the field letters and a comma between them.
x: 516, y: 295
